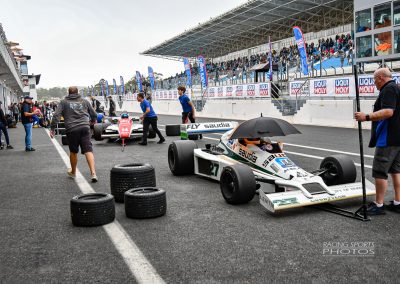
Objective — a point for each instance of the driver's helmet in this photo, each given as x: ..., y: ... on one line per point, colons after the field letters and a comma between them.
x: 124, y: 115
x: 253, y: 141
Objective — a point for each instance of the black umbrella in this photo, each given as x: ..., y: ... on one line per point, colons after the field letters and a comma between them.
x: 264, y: 127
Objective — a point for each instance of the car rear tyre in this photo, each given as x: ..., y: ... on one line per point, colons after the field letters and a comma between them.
x: 129, y: 176
x: 193, y: 137
x: 173, y: 130
x: 64, y: 140
x: 98, y: 131
x: 145, y: 202
x: 92, y: 209
x: 238, y: 184
x: 340, y: 169
x: 181, y: 157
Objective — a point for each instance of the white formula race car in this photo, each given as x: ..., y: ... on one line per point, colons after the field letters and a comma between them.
x: 120, y: 128
x: 243, y: 166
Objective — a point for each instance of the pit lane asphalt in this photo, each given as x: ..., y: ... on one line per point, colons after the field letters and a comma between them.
x: 200, y: 240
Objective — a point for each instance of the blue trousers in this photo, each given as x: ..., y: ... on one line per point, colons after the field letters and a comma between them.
x: 28, y: 135
x: 3, y: 128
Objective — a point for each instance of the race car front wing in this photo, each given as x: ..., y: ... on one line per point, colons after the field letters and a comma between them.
x: 291, y: 199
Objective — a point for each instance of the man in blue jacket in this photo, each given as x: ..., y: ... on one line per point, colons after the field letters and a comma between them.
x: 149, y: 117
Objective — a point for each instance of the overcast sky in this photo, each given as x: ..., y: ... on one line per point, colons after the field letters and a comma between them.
x: 78, y: 42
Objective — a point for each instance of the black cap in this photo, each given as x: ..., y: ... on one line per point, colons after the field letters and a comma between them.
x: 28, y: 98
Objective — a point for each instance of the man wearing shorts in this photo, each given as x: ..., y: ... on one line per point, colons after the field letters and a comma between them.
x: 385, y: 137
x: 78, y: 115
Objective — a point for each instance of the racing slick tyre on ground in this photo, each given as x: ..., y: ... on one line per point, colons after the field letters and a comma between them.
x: 98, y: 131
x: 238, y: 184
x: 173, y: 129
x: 92, y: 209
x: 130, y: 176
x: 145, y: 202
x: 181, y: 157
x: 152, y: 134
x: 339, y: 169
x: 64, y: 140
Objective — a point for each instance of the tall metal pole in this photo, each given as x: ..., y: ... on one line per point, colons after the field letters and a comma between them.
x: 360, y: 137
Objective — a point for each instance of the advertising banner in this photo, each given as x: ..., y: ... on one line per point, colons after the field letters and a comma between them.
x: 107, y: 89
x: 151, y: 77
x: 139, y: 81
x: 115, y: 87
x: 203, y: 71
x: 121, y: 81
x: 188, y: 71
x: 298, y: 35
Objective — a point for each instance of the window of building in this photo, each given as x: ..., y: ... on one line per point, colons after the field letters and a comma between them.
x: 383, y: 15
x: 397, y: 41
x: 364, y: 46
x: 383, y: 43
x: 32, y: 86
x: 396, y: 12
x: 363, y: 20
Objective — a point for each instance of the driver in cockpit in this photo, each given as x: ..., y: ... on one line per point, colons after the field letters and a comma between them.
x: 264, y: 144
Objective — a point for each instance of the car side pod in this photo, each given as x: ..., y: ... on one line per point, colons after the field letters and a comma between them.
x: 291, y: 199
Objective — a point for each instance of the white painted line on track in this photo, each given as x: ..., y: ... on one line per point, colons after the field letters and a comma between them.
x: 137, y: 263
x: 298, y: 154
x: 321, y: 149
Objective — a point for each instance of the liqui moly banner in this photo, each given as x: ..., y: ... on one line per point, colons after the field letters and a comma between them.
x: 151, y: 77
x: 203, y: 71
x: 139, y: 81
x: 301, y: 46
x: 121, y: 81
x: 188, y: 71
x: 115, y: 87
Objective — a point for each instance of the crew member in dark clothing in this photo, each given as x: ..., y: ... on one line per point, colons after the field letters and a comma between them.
x: 95, y: 104
x: 3, y: 128
x: 111, y: 110
x: 26, y: 118
x: 149, y: 117
x: 78, y: 115
x: 385, y: 137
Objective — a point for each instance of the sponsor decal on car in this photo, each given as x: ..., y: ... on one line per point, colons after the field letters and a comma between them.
x: 342, y: 86
x: 286, y: 201
x: 251, y: 156
x: 284, y: 162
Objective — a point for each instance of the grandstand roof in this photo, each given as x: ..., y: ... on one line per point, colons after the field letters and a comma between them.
x: 250, y: 25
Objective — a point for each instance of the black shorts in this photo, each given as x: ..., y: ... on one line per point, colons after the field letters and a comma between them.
x: 386, y: 160
x: 80, y: 137
x: 186, y: 117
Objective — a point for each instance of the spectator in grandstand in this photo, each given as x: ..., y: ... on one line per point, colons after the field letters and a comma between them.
x: 386, y: 140
x: 95, y: 104
x: 111, y: 110
x: 149, y: 117
x: 78, y: 115
x: 27, y: 113
x: 3, y: 128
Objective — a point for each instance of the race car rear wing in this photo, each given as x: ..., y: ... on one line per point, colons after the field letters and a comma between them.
x: 208, y: 127
x: 291, y: 199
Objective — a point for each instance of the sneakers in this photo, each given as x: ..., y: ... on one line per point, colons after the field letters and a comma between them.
x: 70, y: 174
x: 30, y: 149
x: 375, y: 210
x: 1, y: 147
x: 394, y: 208
x: 162, y: 140
x: 10, y: 147
x: 94, y: 178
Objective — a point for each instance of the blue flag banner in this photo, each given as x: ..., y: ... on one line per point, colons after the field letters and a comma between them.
x: 121, y: 81
x: 115, y: 87
x: 298, y: 35
x: 203, y: 71
x: 139, y: 81
x: 270, y: 59
x: 107, y: 89
x: 188, y: 72
x: 102, y: 89
x: 151, y: 77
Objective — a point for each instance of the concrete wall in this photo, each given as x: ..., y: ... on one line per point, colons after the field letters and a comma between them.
x: 333, y: 113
